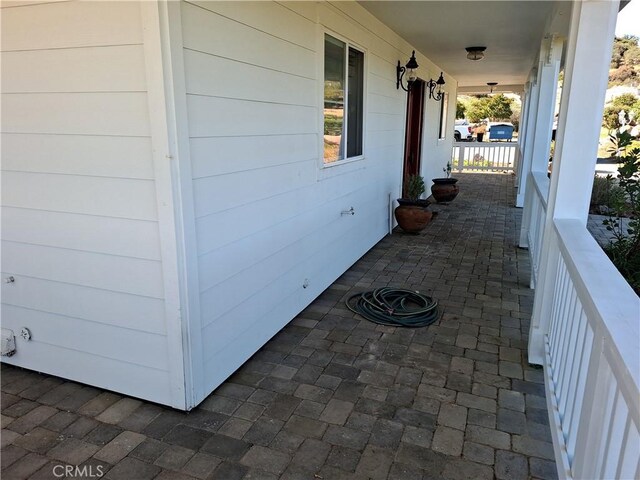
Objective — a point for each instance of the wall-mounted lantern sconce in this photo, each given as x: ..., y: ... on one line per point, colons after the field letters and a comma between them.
x: 492, y: 86
x: 436, y: 85
x: 410, y: 69
x: 475, y: 53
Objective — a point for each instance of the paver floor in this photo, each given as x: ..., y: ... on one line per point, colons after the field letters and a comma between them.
x: 599, y: 231
x: 334, y: 396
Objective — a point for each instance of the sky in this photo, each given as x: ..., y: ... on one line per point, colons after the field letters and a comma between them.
x: 629, y: 20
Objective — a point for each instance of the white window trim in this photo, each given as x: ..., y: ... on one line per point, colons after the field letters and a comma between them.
x: 349, y: 43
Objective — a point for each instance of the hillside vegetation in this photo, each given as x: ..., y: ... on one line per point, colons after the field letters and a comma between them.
x: 625, y: 62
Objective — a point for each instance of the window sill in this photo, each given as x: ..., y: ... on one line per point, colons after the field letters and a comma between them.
x: 329, y: 170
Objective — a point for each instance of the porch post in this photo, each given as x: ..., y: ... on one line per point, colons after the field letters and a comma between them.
x: 537, y: 150
x: 527, y: 138
x: 524, y: 102
x: 549, y: 71
x: 524, y: 114
x: 585, y: 81
x: 525, y: 159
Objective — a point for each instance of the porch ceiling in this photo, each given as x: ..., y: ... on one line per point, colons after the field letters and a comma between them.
x: 511, y: 31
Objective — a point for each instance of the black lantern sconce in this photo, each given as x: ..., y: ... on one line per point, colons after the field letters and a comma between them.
x: 436, y: 85
x: 410, y: 69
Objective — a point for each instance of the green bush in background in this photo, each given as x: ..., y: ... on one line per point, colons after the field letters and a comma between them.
x: 624, y: 249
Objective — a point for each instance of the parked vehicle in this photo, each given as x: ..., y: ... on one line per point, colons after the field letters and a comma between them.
x: 462, y: 132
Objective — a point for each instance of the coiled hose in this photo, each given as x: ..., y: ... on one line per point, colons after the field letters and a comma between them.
x: 395, y: 307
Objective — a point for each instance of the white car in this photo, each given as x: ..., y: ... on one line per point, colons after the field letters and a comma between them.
x: 462, y: 132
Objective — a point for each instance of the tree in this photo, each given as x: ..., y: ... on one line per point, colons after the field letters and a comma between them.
x: 497, y: 107
x: 478, y: 109
x: 515, y: 115
x: 460, y: 109
x: 621, y: 45
x: 500, y: 107
x: 624, y: 57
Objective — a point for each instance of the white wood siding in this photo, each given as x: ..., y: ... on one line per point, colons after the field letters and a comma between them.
x: 80, y: 229
x: 268, y: 214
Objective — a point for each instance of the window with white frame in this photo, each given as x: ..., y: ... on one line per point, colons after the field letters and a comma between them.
x: 343, y: 100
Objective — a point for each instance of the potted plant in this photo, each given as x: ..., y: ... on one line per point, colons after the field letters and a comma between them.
x: 445, y: 189
x: 412, y: 213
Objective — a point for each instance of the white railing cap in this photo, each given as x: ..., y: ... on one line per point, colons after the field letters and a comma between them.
x: 604, y: 294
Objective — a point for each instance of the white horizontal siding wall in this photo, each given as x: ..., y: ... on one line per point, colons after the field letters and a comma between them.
x: 267, y: 214
x: 80, y: 224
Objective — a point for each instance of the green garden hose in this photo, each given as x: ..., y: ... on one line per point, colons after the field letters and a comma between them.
x: 395, y: 307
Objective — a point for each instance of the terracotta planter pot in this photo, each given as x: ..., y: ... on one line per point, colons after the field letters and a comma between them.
x: 412, y: 217
x: 444, y: 189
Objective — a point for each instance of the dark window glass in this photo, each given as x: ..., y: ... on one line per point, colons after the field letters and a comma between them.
x: 444, y: 106
x: 355, y: 103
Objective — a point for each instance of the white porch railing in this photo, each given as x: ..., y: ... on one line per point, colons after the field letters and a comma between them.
x: 490, y: 157
x: 592, y: 364
x: 592, y: 370
x: 536, y: 196
x: 518, y: 168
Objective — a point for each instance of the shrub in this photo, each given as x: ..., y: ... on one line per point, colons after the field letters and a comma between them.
x: 625, y: 256
x: 333, y: 125
x: 624, y: 75
x: 605, y: 192
x: 478, y: 161
x: 627, y: 102
x: 624, y: 249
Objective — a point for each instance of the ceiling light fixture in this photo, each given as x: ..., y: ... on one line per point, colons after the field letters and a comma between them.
x: 491, y: 86
x: 475, y: 53
x: 410, y: 69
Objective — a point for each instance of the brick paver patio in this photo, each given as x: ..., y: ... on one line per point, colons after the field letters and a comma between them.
x: 333, y: 396
x: 599, y: 231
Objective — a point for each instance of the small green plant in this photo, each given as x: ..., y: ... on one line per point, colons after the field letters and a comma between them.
x: 447, y: 169
x: 624, y: 249
x: 415, y: 187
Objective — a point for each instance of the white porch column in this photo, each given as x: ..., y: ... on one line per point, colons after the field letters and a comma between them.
x: 524, y: 114
x: 525, y: 159
x: 524, y: 102
x: 527, y: 137
x: 548, y: 84
x: 539, y: 142
x: 585, y: 81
